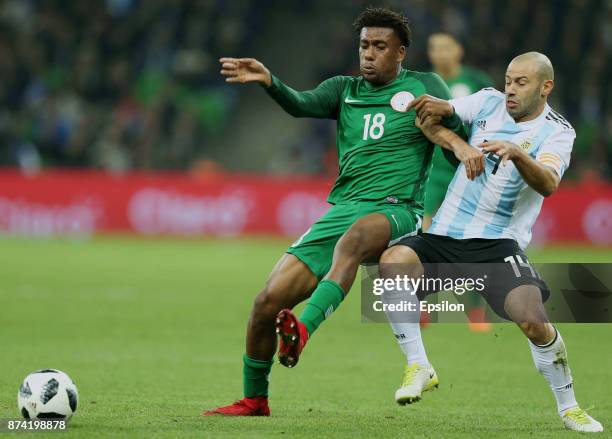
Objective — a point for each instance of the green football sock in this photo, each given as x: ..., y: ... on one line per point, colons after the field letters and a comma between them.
x: 325, y: 300
x: 255, y: 376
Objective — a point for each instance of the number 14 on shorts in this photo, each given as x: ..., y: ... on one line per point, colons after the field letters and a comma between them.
x: 516, y: 261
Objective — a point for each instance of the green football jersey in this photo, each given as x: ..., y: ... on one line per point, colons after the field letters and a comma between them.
x: 382, y: 154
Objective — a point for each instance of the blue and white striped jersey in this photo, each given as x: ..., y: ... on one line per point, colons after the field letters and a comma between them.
x: 499, y: 203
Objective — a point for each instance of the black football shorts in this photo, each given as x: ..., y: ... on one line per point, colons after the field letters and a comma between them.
x: 500, y: 261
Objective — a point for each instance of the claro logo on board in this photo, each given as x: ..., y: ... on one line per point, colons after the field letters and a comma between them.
x: 156, y: 211
x: 21, y: 217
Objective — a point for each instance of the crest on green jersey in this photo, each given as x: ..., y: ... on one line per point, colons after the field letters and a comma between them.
x: 401, y: 100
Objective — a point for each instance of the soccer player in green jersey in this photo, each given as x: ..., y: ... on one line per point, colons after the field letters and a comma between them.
x: 445, y: 53
x: 377, y: 197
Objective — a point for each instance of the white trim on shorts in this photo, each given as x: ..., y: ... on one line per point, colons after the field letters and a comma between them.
x: 418, y: 227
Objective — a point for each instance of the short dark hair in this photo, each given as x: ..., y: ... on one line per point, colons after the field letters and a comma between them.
x: 382, y: 17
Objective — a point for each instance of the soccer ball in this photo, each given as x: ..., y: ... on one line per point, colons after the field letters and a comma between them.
x: 47, y: 393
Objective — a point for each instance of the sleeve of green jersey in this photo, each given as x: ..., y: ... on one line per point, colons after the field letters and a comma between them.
x: 436, y: 87
x: 321, y: 102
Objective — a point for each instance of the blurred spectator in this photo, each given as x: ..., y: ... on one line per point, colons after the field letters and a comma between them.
x: 115, y: 84
x: 133, y: 84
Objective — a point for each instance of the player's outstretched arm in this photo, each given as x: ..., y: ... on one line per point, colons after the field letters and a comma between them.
x: 540, y: 177
x: 440, y: 135
x: 321, y: 102
x: 243, y: 70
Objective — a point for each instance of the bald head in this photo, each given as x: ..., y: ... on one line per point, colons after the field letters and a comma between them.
x: 529, y: 81
x: 537, y: 62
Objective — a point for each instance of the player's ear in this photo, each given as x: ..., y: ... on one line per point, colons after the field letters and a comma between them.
x: 401, y: 53
x: 547, y: 87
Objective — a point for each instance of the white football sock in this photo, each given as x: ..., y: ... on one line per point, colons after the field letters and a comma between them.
x: 405, y: 326
x: 551, y: 362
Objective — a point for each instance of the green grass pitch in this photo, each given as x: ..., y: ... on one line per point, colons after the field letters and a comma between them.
x: 152, y: 331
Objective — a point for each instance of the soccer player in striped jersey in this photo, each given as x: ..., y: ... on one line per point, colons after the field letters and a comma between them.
x: 489, y: 220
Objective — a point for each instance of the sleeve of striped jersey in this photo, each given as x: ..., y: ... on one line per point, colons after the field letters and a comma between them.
x: 467, y: 107
x: 321, y: 102
x: 556, y: 150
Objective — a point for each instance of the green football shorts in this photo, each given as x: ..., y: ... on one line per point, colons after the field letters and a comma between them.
x: 316, y: 246
x: 440, y: 177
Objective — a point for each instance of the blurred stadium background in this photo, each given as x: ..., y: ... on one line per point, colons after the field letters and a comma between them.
x: 119, y: 87
x: 114, y: 120
x: 128, y: 84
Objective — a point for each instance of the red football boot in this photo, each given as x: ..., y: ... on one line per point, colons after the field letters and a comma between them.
x: 257, y: 406
x: 292, y: 336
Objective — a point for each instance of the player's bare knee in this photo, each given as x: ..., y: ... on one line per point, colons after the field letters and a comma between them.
x: 266, y: 305
x: 524, y: 306
x: 260, y: 304
x: 396, y: 255
x: 399, y: 259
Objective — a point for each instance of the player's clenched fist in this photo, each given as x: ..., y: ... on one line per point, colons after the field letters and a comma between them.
x: 245, y: 70
x: 427, y: 105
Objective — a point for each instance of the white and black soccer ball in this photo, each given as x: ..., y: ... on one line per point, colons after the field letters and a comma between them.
x: 47, y: 393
